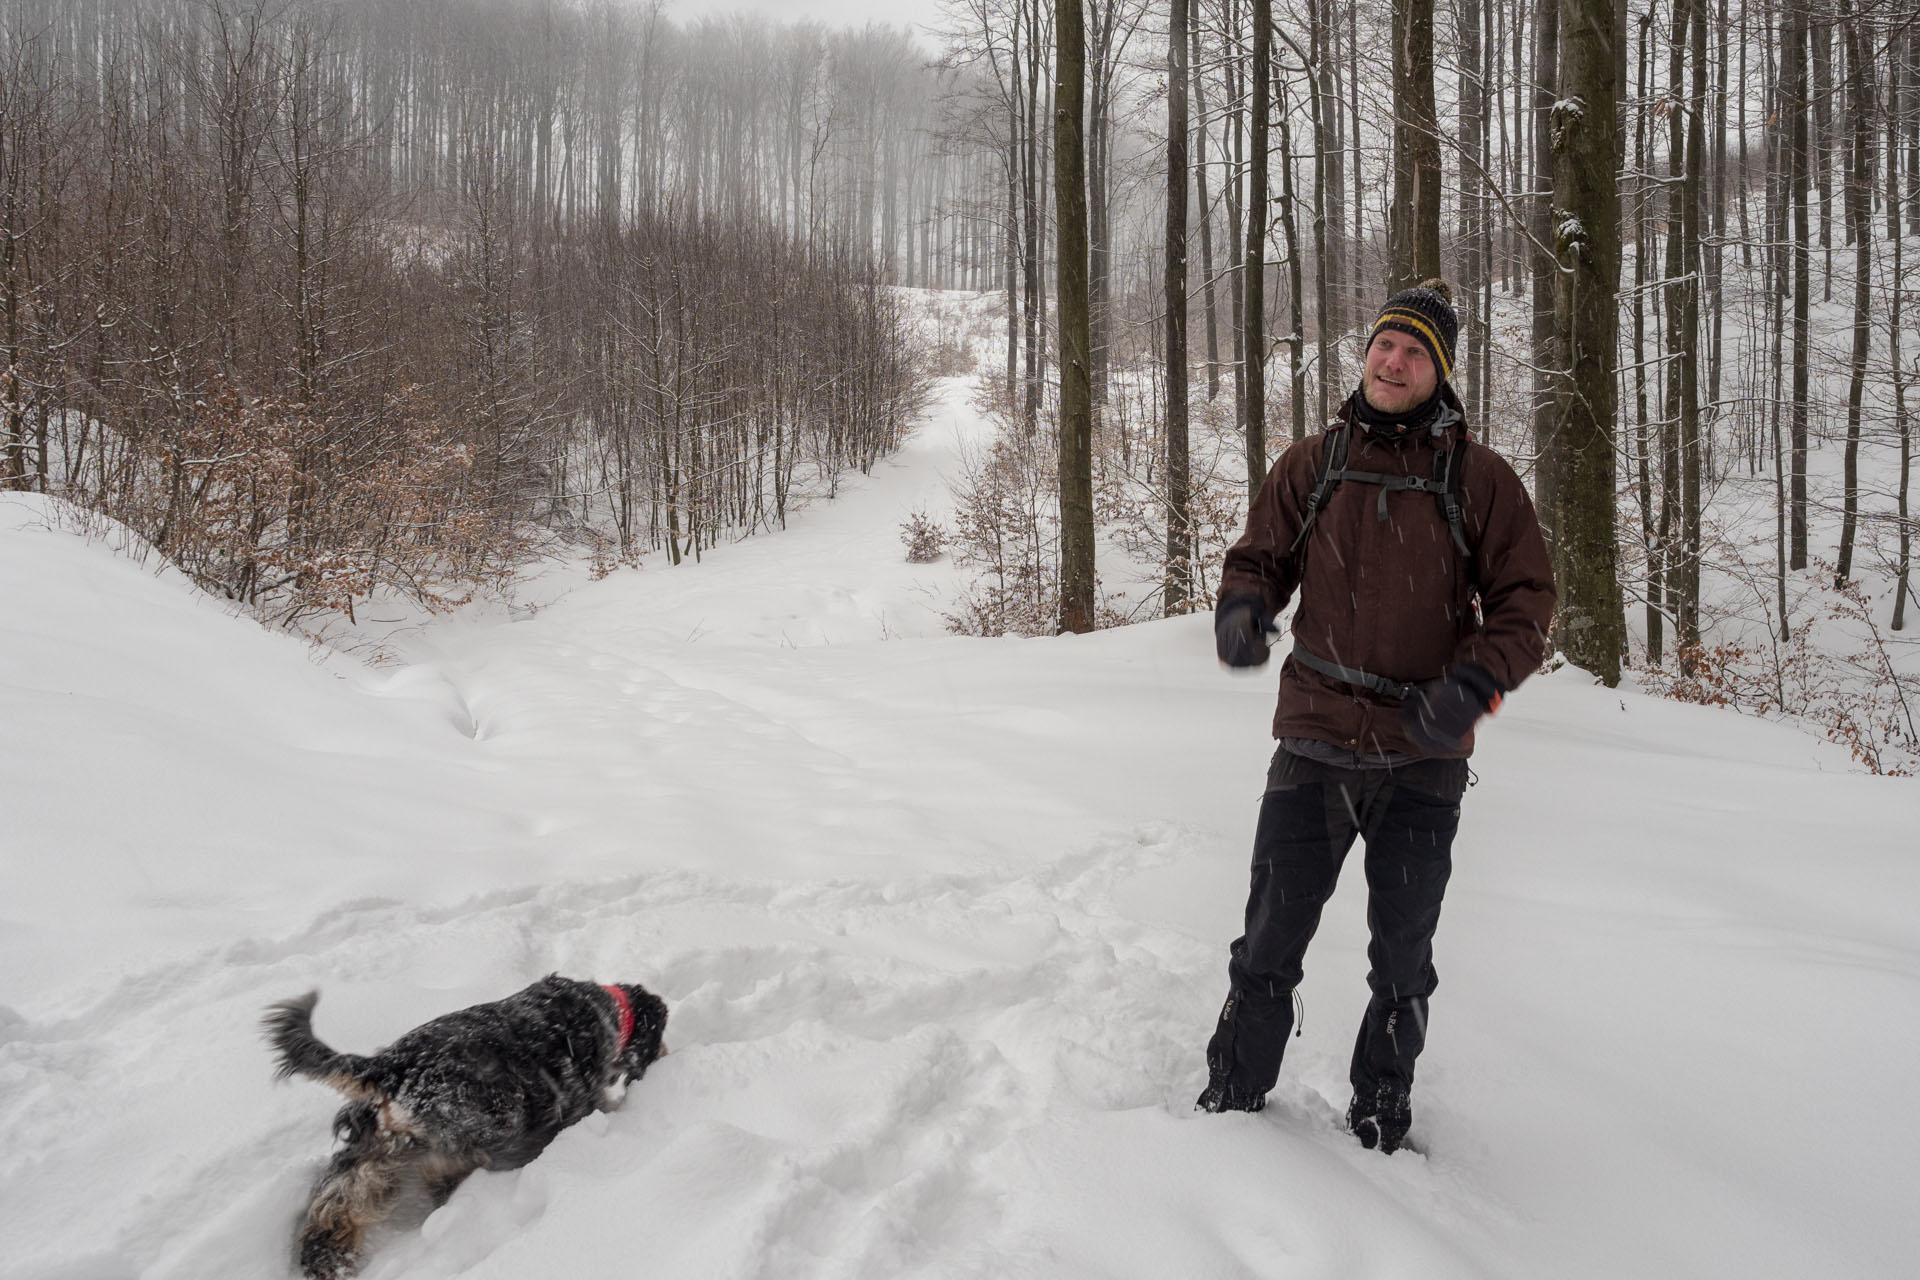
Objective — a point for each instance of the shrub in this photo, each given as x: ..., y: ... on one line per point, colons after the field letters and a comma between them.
x: 926, y: 540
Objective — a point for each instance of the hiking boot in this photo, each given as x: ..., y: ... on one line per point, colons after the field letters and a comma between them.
x: 1222, y: 1095
x: 1381, y: 1121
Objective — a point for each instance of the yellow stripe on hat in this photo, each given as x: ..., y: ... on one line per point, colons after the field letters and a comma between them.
x: 1400, y: 315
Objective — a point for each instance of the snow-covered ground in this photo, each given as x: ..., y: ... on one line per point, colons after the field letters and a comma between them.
x: 942, y: 924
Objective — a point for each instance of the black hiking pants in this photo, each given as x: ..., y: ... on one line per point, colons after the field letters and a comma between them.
x: 1308, y: 820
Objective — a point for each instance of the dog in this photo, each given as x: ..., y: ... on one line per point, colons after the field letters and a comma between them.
x: 485, y: 1088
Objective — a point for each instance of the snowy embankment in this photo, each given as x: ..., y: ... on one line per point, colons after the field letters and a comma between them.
x: 942, y: 924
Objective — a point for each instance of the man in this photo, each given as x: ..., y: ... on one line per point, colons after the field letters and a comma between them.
x: 1425, y: 594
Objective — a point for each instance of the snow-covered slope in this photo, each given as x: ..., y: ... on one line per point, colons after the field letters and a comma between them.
x: 942, y: 923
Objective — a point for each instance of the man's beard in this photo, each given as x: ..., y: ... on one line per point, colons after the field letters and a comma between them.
x: 1379, y: 421
x: 1376, y: 392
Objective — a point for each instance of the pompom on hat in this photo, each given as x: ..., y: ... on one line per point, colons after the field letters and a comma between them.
x: 1426, y: 312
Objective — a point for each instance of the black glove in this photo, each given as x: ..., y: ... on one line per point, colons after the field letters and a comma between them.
x: 1439, y: 714
x: 1240, y: 631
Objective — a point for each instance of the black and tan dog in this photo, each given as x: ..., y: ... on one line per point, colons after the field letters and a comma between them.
x: 484, y: 1088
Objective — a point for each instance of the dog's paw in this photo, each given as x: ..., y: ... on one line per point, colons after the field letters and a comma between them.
x: 324, y: 1258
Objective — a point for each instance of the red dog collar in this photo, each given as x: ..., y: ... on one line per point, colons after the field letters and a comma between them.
x: 625, y: 1007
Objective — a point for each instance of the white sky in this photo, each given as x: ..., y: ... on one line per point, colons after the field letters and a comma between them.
x: 917, y: 13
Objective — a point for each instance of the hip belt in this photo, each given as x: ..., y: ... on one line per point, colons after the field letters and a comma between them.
x: 1397, y: 689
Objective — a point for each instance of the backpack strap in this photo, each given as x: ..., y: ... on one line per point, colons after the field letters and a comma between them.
x: 1444, y: 486
x: 1400, y: 690
x: 1446, y: 473
x: 1333, y: 469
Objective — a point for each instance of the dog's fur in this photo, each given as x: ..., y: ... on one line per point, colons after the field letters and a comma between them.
x: 484, y: 1088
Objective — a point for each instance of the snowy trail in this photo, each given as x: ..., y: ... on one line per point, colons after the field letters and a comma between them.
x: 941, y: 923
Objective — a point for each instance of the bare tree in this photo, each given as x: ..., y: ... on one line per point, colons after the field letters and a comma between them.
x: 1413, y: 251
x: 1254, y: 272
x: 1179, y: 538
x: 1589, y: 623
x: 1858, y: 205
x: 1076, y: 389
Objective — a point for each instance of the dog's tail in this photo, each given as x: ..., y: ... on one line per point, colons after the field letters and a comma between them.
x: 289, y: 1028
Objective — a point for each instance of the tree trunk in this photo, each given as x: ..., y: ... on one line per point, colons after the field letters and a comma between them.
x: 1793, y: 86
x: 1904, y: 566
x: 1031, y: 200
x: 1413, y: 228
x: 1473, y: 138
x: 1819, y: 36
x: 1333, y: 116
x: 1651, y: 532
x: 1711, y: 246
x: 1324, y: 144
x: 1740, y: 125
x: 1236, y: 222
x: 1206, y: 212
x: 1179, y: 569
x: 1546, y: 354
x: 1255, y: 271
x: 1589, y: 624
x: 1686, y: 324
x: 1858, y: 205
x: 1099, y: 131
x: 1076, y: 386
x: 1010, y: 239
x: 1361, y: 291
x: 1295, y: 321
x: 1910, y: 75
x: 1779, y: 179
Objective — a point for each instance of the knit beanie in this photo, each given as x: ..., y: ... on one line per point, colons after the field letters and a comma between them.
x: 1426, y: 312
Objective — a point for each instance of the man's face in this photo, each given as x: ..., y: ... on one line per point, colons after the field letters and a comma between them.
x: 1399, y: 373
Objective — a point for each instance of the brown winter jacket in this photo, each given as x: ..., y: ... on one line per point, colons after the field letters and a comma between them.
x: 1393, y: 598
